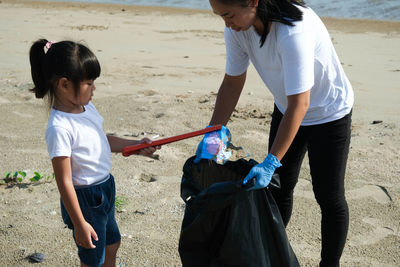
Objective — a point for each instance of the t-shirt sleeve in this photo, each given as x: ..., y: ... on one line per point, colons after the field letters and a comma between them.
x: 297, y: 53
x: 58, y: 142
x: 237, y: 60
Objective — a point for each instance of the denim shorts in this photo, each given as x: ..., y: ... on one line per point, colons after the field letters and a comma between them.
x: 97, y: 203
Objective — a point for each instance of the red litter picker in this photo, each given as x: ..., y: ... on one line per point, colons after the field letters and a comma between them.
x: 130, y: 150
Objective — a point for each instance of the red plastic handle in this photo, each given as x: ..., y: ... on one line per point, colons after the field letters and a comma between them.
x: 130, y: 150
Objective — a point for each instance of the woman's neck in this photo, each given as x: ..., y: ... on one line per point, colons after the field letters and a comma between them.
x: 259, y: 26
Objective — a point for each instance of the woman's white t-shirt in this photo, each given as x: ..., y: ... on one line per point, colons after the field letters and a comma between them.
x: 295, y: 59
x: 80, y: 137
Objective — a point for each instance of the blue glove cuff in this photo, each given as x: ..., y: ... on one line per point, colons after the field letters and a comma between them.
x: 272, y: 160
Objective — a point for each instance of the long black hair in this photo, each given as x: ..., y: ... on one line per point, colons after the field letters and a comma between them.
x: 65, y: 59
x: 283, y: 11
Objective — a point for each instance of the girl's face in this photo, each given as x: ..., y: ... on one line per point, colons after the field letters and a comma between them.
x: 236, y: 17
x: 86, y: 90
x: 67, y: 101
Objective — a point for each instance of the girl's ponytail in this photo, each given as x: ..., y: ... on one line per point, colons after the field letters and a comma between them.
x: 36, y: 56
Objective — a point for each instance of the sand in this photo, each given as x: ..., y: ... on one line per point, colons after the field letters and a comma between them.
x: 161, y: 68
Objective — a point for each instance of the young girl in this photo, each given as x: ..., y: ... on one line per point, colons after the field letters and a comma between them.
x: 292, y: 52
x: 79, y: 150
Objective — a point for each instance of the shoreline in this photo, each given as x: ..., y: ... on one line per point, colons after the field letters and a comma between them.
x: 340, y: 24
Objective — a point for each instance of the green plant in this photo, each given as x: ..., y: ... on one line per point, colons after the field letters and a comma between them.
x: 120, y: 202
x: 37, y: 177
x: 19, y: 176
x: 15, y: 177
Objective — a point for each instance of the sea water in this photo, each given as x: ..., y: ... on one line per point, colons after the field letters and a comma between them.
x: 360, y: 9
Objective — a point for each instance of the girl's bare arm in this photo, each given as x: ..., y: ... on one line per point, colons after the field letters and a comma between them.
x: 63, y: 175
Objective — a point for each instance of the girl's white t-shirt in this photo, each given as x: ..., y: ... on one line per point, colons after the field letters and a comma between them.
x: 80, y: 137
x: 295, y: 59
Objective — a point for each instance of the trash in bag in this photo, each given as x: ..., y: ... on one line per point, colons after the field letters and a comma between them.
x: 226, y: 225
x: 214, y: 146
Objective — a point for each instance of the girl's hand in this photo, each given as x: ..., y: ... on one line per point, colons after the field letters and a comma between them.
x: 84, y: 234
x: 148, y: 151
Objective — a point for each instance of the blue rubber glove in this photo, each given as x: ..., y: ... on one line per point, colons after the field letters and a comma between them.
x: 263, y: 172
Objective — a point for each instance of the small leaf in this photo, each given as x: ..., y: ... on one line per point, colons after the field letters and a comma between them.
x: 23, y: 174
x: 35, y: 179
x: 15, y: 175
x: 7, y: 175
x: 19, y: 179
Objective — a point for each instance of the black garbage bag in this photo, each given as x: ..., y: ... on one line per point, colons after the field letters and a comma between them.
x: 226, y: 225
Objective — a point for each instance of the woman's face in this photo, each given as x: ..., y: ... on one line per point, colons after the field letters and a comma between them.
x: 236, y: 17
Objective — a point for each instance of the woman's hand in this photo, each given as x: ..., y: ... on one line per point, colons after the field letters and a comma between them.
x: 263, y: 172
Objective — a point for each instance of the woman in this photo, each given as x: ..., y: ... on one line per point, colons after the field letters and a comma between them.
x: 292, y: 51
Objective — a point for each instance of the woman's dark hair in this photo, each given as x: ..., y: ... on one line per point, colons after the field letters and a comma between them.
x: 283, y: 11
x: 67, y: 59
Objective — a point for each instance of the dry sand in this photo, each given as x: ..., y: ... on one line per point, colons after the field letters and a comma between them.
x: 161, y: 68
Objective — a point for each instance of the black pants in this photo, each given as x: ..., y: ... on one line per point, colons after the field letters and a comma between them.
x: 328, y: 147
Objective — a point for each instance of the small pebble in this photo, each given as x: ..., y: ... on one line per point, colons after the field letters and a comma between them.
x: 139, y: 212
x: 36, y: 257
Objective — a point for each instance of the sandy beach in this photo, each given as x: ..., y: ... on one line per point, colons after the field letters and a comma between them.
x: 161, y: 69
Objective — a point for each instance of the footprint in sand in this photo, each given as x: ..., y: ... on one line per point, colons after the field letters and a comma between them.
x: 374, y: 236
x: 380, y: 231
x: 377, y: 192
x: 146, y: 177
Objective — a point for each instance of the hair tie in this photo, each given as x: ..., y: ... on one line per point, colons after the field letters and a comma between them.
x: 48, y: 44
